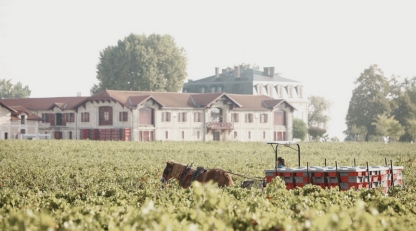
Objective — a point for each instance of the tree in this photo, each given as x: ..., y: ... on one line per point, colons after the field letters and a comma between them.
x: 390, y: 127
x: 411, y: 129
x: 10, y: 91
x: 316, y: 132
x: 357, y: 132
x: 299, y: 129
x: 141, y: 63
x: 248, y: 66
x: 318, y: 110
x: 368, y: 100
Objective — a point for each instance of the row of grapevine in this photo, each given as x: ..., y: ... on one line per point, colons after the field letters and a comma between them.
x: 106, y: 185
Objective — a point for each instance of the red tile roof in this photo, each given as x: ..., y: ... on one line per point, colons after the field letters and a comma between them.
x: 164, y: 99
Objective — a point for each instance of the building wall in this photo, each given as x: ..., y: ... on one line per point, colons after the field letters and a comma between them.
x: 176, y: 130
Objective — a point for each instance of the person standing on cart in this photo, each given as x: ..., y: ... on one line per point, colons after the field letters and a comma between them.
x: 280, y: 163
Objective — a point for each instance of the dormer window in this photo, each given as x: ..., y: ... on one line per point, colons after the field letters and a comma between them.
x: 23, y: 119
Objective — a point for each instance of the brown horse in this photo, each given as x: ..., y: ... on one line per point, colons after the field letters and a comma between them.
x: 184, y: 174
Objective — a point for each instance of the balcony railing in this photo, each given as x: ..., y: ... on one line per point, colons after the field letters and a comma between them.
x: 219, y: 126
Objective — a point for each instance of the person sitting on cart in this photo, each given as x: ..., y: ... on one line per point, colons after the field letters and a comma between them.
x: 280, y: 163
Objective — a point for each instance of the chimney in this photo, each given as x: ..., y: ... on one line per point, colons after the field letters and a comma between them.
x: 266, y: 70
x: 236, y: 72
x: 272, y: 72
x: 78, y: 94
x: 217, y: 72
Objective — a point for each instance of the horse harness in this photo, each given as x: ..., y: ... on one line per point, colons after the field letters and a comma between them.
x: 195, y: 174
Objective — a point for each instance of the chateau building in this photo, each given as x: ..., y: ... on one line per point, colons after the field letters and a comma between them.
x: 149, y: 116
x: 254, y: 82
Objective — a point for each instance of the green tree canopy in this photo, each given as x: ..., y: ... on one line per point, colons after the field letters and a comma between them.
x: 369, y: 99
x: 403, y: 103
x: 299, y: 129
x: 316, y: 133
x: 411, y: 129
x: 142, y: 63
x: 388, y: 126
x: 10, y: 91
x: 318, y: 110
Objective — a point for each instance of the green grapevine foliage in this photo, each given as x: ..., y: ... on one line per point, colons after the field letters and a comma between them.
x: 99, y: 185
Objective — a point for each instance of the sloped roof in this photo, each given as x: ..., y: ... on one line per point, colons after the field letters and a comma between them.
x: 249, y: 75
x: 18, y: 110
x: 257, y: 102
x: 164, y: 99
x: 34, y: 104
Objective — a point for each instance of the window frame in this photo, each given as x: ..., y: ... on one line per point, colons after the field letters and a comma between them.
x: 123, y: 116
x: 85, y: 117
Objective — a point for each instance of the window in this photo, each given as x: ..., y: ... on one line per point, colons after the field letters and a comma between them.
x: 182, y: 116
x: 45, y: 117
x: 249, y: 135
x: 85, y: 117
x: 198, y: 135
x: 165, y: 116
x: 197, y: 117
x: 183, y: 135
x: 216, y: 115
x: 235, y: 117
x: 166, y: 135
x: 23, y: 119
x: 123, y: 116
x: 61, y: 119
x: 216, y: 136
x: 249, y: 118
x: 70, y: 135
x: 146, y: 116
x: 279, y: 118
x: 264, y: 135
x: 279, y: 136
x: 105, y: 115
x: 235, y: 135
x: 71, y: 117
x: 263, y: 118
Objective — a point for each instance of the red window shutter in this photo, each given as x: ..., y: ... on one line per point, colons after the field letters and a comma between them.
x: 52, y: 119
x: 64, y: 116
x: 168, y: 117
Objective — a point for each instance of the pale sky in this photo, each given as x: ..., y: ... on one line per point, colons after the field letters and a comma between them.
x: 53, y: 46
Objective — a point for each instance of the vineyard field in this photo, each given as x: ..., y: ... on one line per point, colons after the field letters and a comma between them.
x: 110, y: 185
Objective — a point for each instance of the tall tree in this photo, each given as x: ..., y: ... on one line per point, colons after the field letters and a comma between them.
x: 318, y: 110
x: 10, y: 91
x: 403, y: 104
x: 411, y: 129
x: 369, y: 99
x: 142, y: 63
